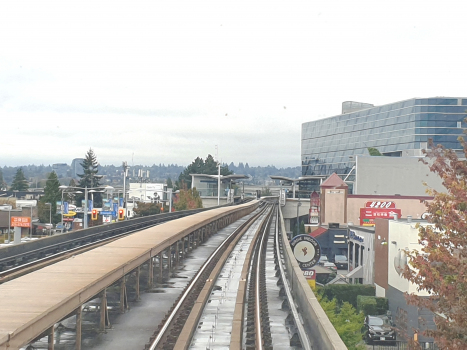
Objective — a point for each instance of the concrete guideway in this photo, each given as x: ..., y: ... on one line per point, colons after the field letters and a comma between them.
x: 32, y: 304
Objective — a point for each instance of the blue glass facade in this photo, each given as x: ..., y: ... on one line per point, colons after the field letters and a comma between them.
x: 396, y: 129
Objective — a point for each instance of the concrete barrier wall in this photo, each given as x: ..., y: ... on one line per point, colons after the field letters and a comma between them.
x: 320, y: 331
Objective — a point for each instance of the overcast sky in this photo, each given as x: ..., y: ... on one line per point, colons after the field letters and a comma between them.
x: 155, y: 81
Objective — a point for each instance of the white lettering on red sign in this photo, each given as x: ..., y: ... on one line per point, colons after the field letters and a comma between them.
x: 380, y: 205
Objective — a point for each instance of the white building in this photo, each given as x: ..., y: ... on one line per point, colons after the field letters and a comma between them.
x: 148, y: 192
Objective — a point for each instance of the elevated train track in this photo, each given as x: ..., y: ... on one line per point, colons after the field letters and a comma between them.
x: 143, y: 257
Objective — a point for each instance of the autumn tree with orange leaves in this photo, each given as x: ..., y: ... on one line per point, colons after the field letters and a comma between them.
x: 440, y: 267
x: 187, y: 199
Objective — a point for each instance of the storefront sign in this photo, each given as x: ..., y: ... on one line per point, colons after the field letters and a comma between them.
x: 368, y: 215
x: 20, y: 221
x: 310, y: 276
x: 355, y: 237
x: 381, y: 205
x: 306, y: 250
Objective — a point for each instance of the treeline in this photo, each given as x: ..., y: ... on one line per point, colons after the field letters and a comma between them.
x: 37, y: 174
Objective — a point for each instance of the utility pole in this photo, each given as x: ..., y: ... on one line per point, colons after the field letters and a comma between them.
x: 125, y: 175
x: 218, y: 177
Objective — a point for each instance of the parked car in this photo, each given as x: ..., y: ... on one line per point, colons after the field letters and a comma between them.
x: 341, y: 262
x: 323, y: 258
x: 379, y: 328
x: 329, y: 265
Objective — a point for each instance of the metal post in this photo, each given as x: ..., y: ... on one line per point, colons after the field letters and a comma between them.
x: 124, y: 189
x: 218, y: 183
x: 85, y: 219
x: 61, y: 211
x: 298, y: 222
x: 9, y: 224
x: 30, y: 225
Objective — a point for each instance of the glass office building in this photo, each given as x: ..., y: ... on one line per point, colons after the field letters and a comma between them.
x: 397, y: 129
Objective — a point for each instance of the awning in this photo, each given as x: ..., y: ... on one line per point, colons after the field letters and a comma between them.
x: 356, y: 272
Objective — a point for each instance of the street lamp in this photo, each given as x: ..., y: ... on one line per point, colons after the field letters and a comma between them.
x: 50, y: 215
x: 298, y: 223
x: 62, y: 207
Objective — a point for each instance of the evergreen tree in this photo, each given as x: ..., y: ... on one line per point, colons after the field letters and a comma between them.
x: 89, y: 178
x: 2, y: 181
x: 169, y: 183
x: 199, y: 166
x: 52, y: 194
x: 374, y: 152
x: 19, y: 182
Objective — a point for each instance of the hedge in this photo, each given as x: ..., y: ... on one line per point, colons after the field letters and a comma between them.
x: 370, y: 305
x: 347, y: 292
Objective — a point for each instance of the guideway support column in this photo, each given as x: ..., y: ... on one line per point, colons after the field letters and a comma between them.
x: 78, y: 328
x: 161, y: 266
x: 123, y: 295
x: 104, y: 313
x: 150, y: 273
x: 137, y: 273
x: 50, y: 338
x: 169, y: 255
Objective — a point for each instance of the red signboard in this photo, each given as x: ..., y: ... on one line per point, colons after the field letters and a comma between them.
x: 20, y: 221
x: 368, y: 215
x: 309, y: 274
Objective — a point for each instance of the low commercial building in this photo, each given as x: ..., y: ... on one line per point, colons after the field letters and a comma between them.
x: 392, y: 237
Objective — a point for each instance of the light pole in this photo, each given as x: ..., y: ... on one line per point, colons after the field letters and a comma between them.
x: 30, y: 225
x: 50, y: 215
x: 125, y: 175
x: 298, y: 223
x: 9, y: 222
x: 62, y: 206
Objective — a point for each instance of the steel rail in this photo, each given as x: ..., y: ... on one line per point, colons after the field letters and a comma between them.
x: 258, y: 319
x: 193, y: 282
x: 301, y: 330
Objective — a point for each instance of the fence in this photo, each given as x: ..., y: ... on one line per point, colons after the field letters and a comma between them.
x: 399, y: 345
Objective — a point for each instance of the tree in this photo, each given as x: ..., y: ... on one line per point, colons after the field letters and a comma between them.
x: 169, y: 183
x: 440, y: 266
x: 145, y: 209
x: 374, y: 151
x: 70, y: 196
x: 345, y: 319
x: 266, y: 191
x: 199, y: 166
x: 90, y: 178
x: 2, y: 181
x: 19, y: 182
x: 52, y: 194
x: 187, y: 199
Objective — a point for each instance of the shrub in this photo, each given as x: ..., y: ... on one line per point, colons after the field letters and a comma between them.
x: 372, y: 305
x: 347, y: 292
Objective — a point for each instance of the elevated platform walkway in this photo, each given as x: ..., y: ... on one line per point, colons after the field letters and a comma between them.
x: 31, y: 305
